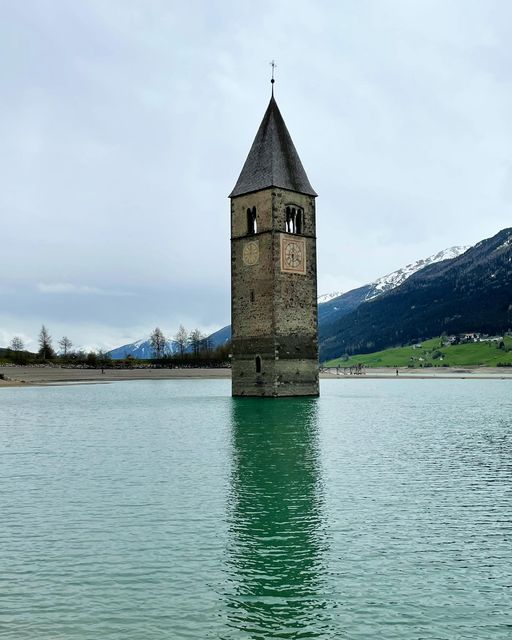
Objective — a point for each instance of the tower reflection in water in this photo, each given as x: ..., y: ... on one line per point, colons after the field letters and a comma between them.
x: 276, y: 542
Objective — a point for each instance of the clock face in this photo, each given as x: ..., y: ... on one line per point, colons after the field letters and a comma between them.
x: 251, y: 253
x: 293, y: 255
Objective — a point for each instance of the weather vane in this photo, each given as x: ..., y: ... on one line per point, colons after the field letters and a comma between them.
x: 273, y: 65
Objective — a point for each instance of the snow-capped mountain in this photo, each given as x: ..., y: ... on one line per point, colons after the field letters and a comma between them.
x: 329, y: 296
x: 395, y: 279
x: 340, y: 305
x: 139, y: 349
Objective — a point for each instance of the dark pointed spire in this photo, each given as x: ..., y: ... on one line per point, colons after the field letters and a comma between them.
x: 273, y: 160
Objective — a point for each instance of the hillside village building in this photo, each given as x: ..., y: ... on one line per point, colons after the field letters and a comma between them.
x: 273, y: 269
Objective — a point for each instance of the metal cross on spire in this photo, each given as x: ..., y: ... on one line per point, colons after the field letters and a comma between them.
x: 273, y: 65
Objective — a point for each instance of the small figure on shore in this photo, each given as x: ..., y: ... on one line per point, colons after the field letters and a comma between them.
x: 397, y: 372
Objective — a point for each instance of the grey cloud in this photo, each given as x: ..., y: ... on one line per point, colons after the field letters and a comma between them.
x: 124, y: 126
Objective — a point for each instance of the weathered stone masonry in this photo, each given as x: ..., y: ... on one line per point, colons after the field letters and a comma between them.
x: 273, y: 272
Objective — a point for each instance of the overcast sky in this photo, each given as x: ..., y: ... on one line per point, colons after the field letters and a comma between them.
x: 124, y: 125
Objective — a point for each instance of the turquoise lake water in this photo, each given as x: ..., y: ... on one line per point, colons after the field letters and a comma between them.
x: 168, y: 510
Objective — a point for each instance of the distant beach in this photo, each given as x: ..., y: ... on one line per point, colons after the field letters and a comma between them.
x: 19, y: 376
x: 446, y: 373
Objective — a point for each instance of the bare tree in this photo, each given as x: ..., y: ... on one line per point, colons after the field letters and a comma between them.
x: 65, y: 345
x: 17, y: 344
x: 157, y: 342
x: 195, y: 340
x: 181, y: 339
x: 45, y: 344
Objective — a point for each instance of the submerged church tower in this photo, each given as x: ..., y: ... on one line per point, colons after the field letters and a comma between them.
x: 273, y: 269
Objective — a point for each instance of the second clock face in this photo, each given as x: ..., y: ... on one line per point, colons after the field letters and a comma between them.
x: 293, y: 255
x: 251, y: 253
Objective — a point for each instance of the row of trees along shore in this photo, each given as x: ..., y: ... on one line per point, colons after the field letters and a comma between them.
x: 188, y: 349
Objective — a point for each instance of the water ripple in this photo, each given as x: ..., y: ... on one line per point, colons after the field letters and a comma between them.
x: 142, y: 510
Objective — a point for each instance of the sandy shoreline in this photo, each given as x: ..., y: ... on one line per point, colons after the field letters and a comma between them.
x: 22, y: 376
x: 438, y: 373
x: 29, y: 376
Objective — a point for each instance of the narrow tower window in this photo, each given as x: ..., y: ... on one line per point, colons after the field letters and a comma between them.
x: 298, y: 221
x: 252, y: 225
x: 289, y: 220
x: 258, y: 364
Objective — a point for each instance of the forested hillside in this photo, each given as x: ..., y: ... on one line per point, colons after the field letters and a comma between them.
x: 472, y: 292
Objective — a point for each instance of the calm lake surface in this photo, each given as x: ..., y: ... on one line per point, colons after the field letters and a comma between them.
x: 168, y: 510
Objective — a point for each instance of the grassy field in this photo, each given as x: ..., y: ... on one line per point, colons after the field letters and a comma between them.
x: 431, y: 354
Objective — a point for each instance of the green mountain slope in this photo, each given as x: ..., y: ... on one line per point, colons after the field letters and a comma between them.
x: 432, y: 354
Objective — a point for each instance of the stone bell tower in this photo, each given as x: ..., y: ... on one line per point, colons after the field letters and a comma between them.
x: 273, y: 269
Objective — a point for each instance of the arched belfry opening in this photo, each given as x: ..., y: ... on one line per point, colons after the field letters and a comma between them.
x: 294, y: 219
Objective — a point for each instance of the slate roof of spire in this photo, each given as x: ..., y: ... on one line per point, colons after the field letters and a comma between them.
x: 273, y: 160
